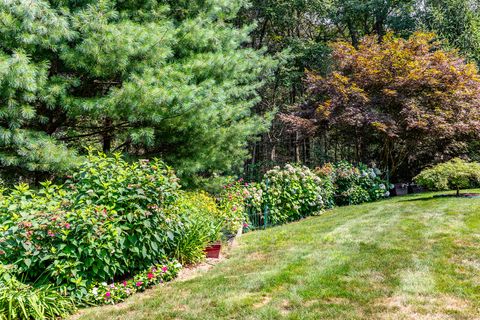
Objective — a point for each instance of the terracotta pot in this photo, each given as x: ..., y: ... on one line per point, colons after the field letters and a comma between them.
x: 213, y: 250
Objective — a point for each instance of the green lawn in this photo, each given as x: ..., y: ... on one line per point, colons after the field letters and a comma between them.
x: 405, y: 258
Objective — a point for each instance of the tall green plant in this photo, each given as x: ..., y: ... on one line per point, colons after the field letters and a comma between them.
x: 144, y: 77
x: 19, y: 301
x: 455, y: 174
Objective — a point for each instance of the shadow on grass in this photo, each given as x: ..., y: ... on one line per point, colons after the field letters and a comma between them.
x: 440, y: 196
x: 429, y: 198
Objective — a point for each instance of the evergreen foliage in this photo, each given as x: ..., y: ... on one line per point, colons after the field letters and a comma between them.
x: 164, y: 78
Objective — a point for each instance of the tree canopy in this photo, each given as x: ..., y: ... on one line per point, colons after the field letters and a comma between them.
x: 402, y: 101
x: 163, y: 78
x: 198, y: 82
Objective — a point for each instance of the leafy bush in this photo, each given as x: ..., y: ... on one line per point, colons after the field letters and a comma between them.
x: 326, y: 175
x: 110, y: 219
x: 122, y: 187
x: 290, y: 193
x: 201, y: 222
x: 21, y: 301
x: 354, y: 185
x: 455, y: 174
x: 231, y: 203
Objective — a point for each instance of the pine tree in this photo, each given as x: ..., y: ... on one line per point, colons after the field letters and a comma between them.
x: 150, y: 78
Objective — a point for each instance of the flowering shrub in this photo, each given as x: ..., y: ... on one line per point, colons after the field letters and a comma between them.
x: 354, y: 185
x: 290, y: 194
x: 108, y: 220
x: 231, y: 202
x: 122, y: 187
x: 114, y: 292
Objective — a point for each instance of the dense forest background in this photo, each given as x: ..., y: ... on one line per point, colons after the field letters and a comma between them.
x: 298, y: 34
x: 223, y: 87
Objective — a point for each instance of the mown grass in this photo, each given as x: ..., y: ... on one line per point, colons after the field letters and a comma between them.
x: 413, y: 257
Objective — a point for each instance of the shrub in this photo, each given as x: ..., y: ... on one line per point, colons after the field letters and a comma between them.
x: 110, y: 219
x: 354, y: 185
x: 120, y: 186
x: 22, y: 301
x: 455, y: 174
x: 201, y: 222
x: 290, y: 193
x: 231, y: 203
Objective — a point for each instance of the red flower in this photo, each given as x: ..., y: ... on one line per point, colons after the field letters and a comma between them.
x: 124, y: 283
x: 150, y: 276
x: 139, y: 283
x: 164, y: 269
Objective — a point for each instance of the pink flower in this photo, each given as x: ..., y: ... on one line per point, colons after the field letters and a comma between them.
x: 124, y: 283
x: 50, y: 233
x: 245, y: 225
x: 67, y: 225
x: 150, y: 276
x: 234, y: 208
x: 154, y: 269
x: 108, y: 295
x: 112, y: 286
x: 164, y: 269
x: 139, y: 283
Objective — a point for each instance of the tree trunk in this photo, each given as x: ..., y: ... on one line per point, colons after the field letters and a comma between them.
x: 107, y: 137
x: 353, y: 33
x: 297, y: 147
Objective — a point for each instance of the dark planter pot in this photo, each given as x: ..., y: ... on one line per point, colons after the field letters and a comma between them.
x: 400, y: 189
x: 213, y: 250
x: 413, y: 188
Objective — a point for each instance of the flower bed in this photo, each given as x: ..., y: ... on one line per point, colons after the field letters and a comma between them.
x: 111, y: 293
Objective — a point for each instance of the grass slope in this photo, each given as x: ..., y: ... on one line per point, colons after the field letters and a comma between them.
x: 404, y: 258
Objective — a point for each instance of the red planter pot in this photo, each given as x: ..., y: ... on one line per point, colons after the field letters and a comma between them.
x: 213, y: 250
